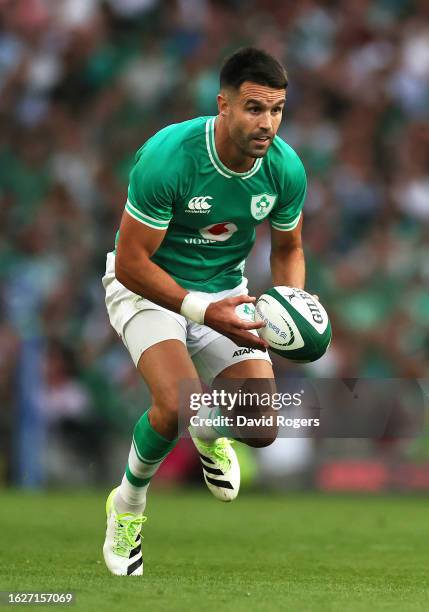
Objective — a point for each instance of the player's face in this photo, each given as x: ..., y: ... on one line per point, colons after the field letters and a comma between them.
x: 253, y: 117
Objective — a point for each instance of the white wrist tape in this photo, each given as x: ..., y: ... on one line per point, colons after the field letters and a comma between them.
x: 194, y: 308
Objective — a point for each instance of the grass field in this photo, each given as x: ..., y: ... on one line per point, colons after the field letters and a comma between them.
x: 263, y: 552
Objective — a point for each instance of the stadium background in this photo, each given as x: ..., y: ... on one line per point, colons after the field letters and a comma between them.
x: 83, y: 83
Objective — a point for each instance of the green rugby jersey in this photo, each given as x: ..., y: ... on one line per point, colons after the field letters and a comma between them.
x: 179, y: 184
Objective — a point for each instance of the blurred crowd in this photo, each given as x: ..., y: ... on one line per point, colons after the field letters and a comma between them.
x: 83, y: 83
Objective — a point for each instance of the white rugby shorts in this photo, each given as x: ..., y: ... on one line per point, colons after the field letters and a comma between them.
x: 141, y: 323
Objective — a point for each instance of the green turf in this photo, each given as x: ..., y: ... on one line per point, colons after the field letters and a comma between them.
x: 263, y: 552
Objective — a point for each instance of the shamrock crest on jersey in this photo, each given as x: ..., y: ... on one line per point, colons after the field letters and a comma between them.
x: 261, y: 205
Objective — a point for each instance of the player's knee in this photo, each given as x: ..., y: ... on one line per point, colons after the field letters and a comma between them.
x: 261, y: 437
x: 258, y: 435
x: 260, y: 442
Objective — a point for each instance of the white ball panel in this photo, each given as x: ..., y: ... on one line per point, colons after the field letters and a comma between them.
x: 281, y: 331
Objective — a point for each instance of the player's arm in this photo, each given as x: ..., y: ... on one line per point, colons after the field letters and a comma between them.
x: 135, y: 270
x: 287, y: 254
x: 287, y: 257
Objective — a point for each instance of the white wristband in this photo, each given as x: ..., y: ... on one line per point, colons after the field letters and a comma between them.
x: 194, y: 308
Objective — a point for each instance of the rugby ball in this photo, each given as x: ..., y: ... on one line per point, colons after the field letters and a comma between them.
x: 297, y: 325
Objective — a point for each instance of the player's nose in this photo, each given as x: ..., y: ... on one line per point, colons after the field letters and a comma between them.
x: 265, y: 123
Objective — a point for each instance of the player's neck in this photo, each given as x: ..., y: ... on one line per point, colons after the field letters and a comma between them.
x: 228, y: 152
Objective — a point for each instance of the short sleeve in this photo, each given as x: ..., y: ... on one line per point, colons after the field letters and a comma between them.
x: 151, y: 191
x: 286, y: 215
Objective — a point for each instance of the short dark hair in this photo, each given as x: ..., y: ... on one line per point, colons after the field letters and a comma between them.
x: 255, y: 65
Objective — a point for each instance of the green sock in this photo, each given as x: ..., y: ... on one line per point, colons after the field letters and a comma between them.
x: 148, y: 450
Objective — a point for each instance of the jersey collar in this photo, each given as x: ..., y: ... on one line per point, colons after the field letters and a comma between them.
x: 214, y: 158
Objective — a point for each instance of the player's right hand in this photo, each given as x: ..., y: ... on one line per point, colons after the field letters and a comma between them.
x: 222, y: 317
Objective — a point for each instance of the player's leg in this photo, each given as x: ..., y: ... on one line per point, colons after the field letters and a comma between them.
x: 254, y: 377
x: 221, y: 356
x: 164, y: 366
x: 156, y: 342
x: 248, y: 370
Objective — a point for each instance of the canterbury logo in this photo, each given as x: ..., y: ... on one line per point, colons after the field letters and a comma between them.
x: 199, y: 204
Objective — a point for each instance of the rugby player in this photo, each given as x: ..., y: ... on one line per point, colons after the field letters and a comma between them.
x: 175, y: 290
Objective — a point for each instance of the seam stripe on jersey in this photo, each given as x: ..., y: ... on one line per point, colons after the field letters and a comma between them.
x: 158, y: 227
x: 286, y: 227
x: 214, y: 158
x: 143, y: 216
x: 242, y: 175
x: 149, y: 223
x: 258, y: 164
x: 210, y: 152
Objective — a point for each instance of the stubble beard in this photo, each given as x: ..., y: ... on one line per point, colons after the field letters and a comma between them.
x: 250, y: 150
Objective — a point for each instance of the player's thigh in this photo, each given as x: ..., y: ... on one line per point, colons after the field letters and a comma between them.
x: 250, y: 368
x: 254, y: 377
x: 222, y: 356
x: 249, y: 374
x: 157, y: 344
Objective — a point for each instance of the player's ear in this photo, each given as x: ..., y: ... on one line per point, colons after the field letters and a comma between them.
x: 222, y: 103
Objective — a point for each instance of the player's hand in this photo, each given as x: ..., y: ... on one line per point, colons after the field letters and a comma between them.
x: 222, y: 317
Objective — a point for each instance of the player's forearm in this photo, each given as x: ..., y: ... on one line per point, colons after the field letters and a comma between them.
x: 150, y: 281
x: 288, y: 267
